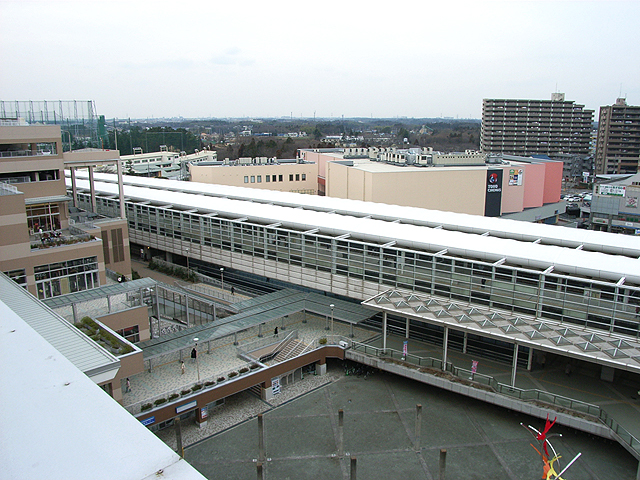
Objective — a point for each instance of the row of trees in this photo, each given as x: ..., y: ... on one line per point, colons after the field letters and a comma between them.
x: 177, y: 140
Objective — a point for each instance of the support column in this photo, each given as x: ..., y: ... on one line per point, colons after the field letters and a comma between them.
x: 443, y: 464
x: 464, y: 343
x: 384, y: 331
x: 530, y: 359
x: 92, y: 189
x: 418, y: 424
x: 261, y: 455
x: 74, y: 187
x: 123, y: 210
x: 321, y: 368
x: 186, y: 301
x: 109, y: 303
x: 340, y: 433
x: 178, y: 428
x: 352, y: 475
x: 515, y: 365
x: 445, y: 344
x: 406, y: 329
x: 260, y: 331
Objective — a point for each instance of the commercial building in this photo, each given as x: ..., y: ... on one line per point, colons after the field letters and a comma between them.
x: 614, y: 204
x: 469, y: 182
x: 45, y: 246
x: 618, y: 143
x: 535, y: 127
x: 260, y: 173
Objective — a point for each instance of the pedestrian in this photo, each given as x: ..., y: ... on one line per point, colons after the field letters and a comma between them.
x: 275, y: 332
x: 182, y: 366
x: 142, y: 254
x: 128, y: 386
x: 194, y: 353
x: 233, y: 290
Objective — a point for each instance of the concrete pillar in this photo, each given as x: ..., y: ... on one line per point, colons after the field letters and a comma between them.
x: 352, y: 475
x: 406, y: 329
x: 418, y: 424
x: 235, y: 338
x: 109, y: 303
x: 340, y: 432
x: 186, y: 301
x: 260, y: 331
x: 514, y: 366
x: 92, y: 189
x: 74, y: 187
x: 74, y: 309
x: 260, y: 471
x: 445, y: 344
x: 123, y: 210
x: 384, y: 330
x: 443, y: 464
x: 261, y: 455
x: 530, y: 359
x: 464, y: 343
x: 351, y: 335
x: 321, y: 368
x: 179, y: 448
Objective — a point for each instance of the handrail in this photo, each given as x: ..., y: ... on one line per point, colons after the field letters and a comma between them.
x: 268, y: 340
x: 526, y: 395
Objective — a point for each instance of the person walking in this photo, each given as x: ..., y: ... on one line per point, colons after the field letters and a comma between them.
x: 194, y: 354
x: 182, y: 366
x: 128, y: 386
x: 275, y: 332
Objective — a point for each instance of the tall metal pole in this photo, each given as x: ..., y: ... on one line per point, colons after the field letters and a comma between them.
x: 332, y: 307
x: 222, y: 277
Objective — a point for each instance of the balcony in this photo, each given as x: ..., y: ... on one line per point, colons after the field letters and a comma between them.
x: 59, y: 238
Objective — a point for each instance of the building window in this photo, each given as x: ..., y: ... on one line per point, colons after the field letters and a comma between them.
x: 19, y: 276
x: 246, y: 179
x: 253, y: 179
x: 132, y: 334
x: 59, y: 278
x: 273, y: 178
x: 118, y: 245
x: 267, y: 178
x: 304, y: 177
x: 259, y: 178
x: 297, y: 177
x: 291, y: 177
x: 45, y: 217
x: 280, y: 178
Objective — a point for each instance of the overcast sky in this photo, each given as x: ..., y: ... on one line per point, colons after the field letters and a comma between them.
x: 275, y: 58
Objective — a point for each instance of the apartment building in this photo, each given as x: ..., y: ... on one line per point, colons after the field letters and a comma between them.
x: 535, y: 127
x: 618, y: 143
x: 45, y: 246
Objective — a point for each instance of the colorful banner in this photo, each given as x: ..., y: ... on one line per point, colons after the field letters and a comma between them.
x: 474, y: 366
x: 493, y: 196
x: 405, y: 348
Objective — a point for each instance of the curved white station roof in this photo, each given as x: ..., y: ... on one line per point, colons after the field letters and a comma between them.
x: 535, y: 246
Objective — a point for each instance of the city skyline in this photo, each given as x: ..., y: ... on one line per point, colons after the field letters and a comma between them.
x: 142, y: 60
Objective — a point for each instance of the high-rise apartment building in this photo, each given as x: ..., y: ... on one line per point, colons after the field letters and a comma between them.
x: 530, y: 127
x: 618, y: 143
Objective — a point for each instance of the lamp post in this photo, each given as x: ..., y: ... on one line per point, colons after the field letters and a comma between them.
x: 197, y: 361
x: 222, y: 277
x: 187, y: 249
x: 332, y: 307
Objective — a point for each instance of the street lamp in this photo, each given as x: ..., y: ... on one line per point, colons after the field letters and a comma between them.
x: 332, y: 307
x: 197, y: 361
x: 187, y: 249
x: 222, y: 277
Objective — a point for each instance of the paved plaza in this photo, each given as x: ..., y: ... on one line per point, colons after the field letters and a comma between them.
x: 482, y: 441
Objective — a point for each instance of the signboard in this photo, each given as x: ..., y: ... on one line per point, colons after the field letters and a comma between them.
x: 631, y: 202
x: 493, y: 197
x: 204, y: 413
x: 187, y: 406
x: 275, y: 385
x: 148, y: 421
x: 515, y: 176
x: 616, y: 190
x: 405, y: 348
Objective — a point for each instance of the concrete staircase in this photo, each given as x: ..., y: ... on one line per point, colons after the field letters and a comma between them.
x: 293, y: 349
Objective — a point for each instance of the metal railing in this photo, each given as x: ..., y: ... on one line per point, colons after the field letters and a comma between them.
x: 246, y: 348
x: 527, y: 395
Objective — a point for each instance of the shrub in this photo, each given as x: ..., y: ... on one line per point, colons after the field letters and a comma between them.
x: 185, y: 392
x: 221, y: 379
x: 208, y: 384
x: 254, y: 366
x: 322, y: 341
x: 145, y: 407
x: 195, y: 388
x: 233, y: 374
x: 173, y: 396
x: 244, y: 370
x: 160, y: 401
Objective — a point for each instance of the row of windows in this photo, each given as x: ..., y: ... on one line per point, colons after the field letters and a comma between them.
x: 556, y: 296
x: 70, y: 276
x: 275, y: 178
